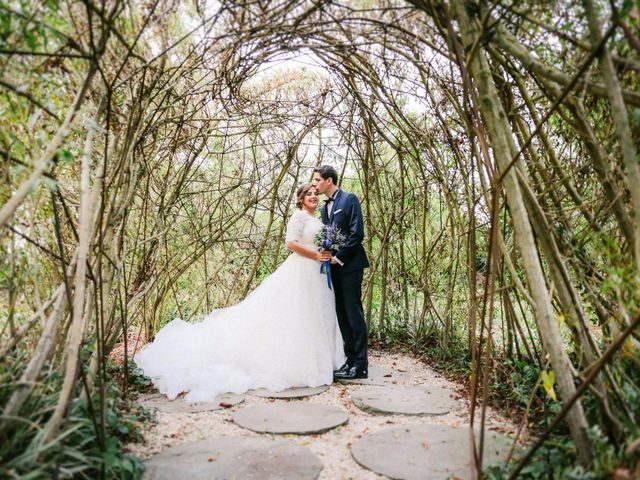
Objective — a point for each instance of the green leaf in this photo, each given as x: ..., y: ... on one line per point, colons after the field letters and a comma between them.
x: 30, y: 38
x: 5, y: 25
x: 548, y: 381
x: 66, y: 157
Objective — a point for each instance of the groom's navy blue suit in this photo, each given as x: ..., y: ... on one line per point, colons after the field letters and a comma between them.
x: 346, y: 214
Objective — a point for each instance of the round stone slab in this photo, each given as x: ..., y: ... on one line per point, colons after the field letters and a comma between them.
x: 295, y: 392
x: 234, y: 457
x: 290, y: 417
x: 425, y: 451
x: 377, y: 376
x: 179, y: 405
x: 404, y: 400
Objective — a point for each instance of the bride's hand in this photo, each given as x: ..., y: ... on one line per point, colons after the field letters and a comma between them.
x: 323, y: 256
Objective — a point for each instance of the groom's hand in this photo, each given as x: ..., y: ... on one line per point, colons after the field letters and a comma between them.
x: 336, y: 261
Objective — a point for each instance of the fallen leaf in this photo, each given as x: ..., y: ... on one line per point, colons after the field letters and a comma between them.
x: 395, y: 382
x: 212, y: 458
x: 225, y: 405
x: 548, y: 381
x: 387, y: 375
x: 425, y: 444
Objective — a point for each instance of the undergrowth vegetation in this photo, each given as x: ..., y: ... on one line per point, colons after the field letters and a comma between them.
x: 89, y: 445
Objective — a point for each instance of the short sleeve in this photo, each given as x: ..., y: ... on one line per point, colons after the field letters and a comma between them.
x: 295, y: 226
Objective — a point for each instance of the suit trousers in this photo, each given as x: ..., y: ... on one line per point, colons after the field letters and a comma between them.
x: 348, y: 291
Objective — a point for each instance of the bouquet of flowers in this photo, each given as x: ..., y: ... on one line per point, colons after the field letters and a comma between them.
x: 330, y: 239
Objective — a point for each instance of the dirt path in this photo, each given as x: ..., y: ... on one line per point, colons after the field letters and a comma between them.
x: 333, y: 446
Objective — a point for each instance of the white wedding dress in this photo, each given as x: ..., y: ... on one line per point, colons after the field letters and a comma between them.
x: 283, y: 334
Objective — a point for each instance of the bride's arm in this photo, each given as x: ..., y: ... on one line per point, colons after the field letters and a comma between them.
x: 295, y: 227
x: 308, y: 252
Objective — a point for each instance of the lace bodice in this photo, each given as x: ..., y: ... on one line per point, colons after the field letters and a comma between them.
x: 303, y: 228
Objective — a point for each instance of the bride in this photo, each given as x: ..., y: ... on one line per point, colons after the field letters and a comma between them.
x: 283, y: 334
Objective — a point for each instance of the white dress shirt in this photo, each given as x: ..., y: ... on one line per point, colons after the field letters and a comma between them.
x: 331, y: 203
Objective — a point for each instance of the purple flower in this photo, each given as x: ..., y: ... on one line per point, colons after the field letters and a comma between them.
x: 329, y: 238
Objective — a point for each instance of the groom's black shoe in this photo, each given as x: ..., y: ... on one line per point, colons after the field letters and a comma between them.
x: 351, y: 374
x: 343, y: 369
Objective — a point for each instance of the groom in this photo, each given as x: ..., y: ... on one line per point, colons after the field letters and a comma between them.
x: 347, y: 268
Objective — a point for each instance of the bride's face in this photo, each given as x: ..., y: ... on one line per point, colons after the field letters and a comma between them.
x: 310, y: 201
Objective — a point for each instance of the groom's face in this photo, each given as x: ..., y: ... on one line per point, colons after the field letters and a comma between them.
x: 321, y: 184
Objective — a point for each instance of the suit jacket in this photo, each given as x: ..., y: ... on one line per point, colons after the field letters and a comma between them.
x: 346, y: 214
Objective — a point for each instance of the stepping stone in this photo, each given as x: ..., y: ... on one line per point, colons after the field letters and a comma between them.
x: 425, y: 451
x: 161, y: 403
x: 404, y: 400
x: 234, y: 457
x: 295, y: 392
x: 377, y: 376
x: 290, y: 417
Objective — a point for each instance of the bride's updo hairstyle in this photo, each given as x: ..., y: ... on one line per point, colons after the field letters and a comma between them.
x: 302, y: 191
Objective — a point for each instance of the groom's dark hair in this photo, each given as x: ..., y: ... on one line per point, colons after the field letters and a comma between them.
x: 327, y: 171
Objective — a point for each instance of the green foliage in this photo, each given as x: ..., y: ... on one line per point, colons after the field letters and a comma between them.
x: 424, y: 340
x: 524, y: 380
x: 556, y: 460
x: 137, y: 380
x: 82, y: 449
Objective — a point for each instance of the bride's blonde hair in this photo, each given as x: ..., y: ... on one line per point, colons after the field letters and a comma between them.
x: 301, y: 192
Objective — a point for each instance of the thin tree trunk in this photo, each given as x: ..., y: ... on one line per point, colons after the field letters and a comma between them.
x: 79, y: 320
